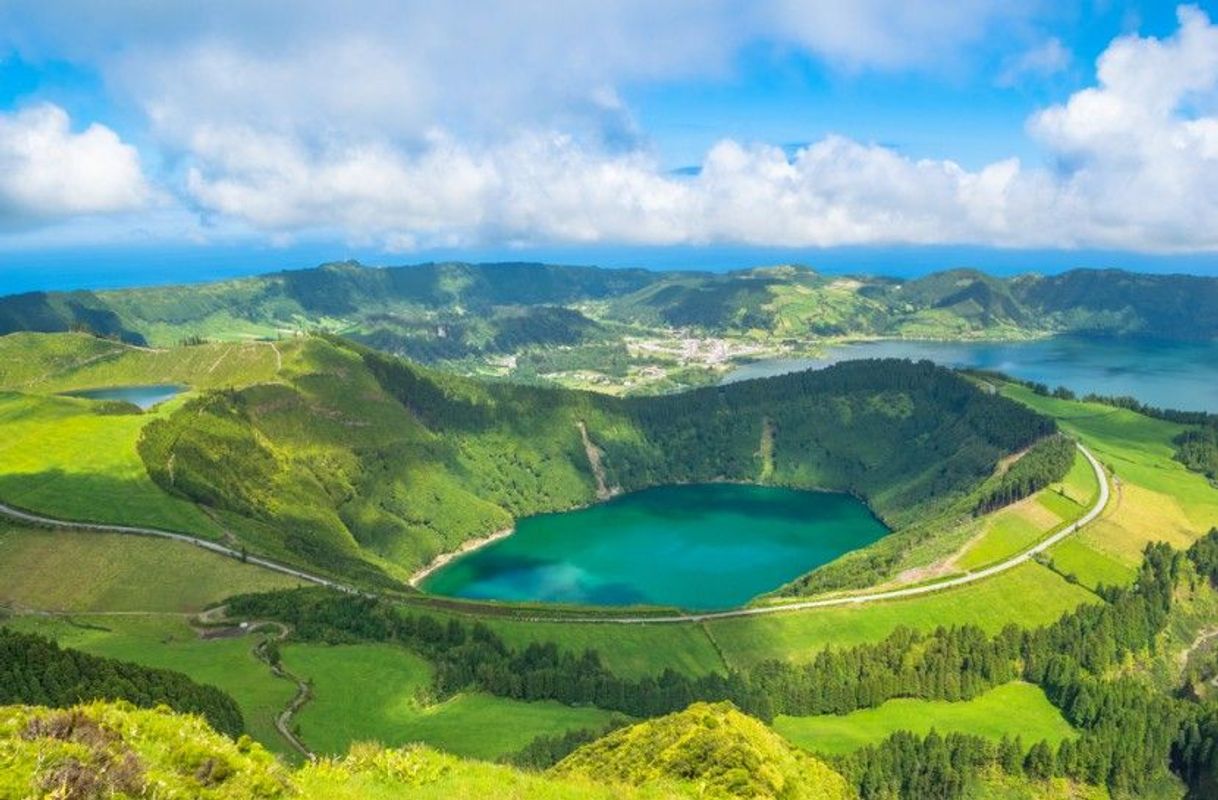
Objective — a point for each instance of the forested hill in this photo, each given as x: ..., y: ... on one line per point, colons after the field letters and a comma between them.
x: 365, y: 464
x: 37, y: 671
x: 435, y: 312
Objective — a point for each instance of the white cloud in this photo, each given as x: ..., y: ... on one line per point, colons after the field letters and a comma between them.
x: 400, y: 67
x: 47, y: 171
x: 412, y: 125
x: 888, y: 34
x: 1138, y: 163
x: 1045, y: 59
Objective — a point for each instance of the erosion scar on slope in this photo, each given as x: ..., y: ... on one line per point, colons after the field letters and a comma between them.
x: 603, y: 492
x: 765, y: 449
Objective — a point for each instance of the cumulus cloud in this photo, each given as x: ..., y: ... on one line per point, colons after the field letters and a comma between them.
x: 414, y: 125
x: 1138, y: 163
x: 400, y: 67
x: 47, y: 171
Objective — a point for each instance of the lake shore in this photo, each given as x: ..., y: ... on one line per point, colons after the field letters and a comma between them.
x: 467, y: 546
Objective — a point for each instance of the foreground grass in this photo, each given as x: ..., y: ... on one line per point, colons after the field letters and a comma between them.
x: 81, y: 571
x: 1015, y: 709
x: 130, y: 752
x: 380, y: 693
x: 164, y: 640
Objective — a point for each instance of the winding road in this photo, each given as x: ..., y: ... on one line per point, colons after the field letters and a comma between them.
x: 206, y: 544
x: 641, y: 619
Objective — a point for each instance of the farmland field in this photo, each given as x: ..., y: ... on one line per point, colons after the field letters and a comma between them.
x: 1014, y: 709
x: 93, y: 571
x: 379, y: 693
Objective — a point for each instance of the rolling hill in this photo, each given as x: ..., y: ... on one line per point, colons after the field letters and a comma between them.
x: 322, y: 452
x: 451, y: 311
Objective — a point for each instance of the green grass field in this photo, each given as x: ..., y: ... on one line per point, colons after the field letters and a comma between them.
x: 1155, y: 497
x: 81, y: 571
x: 372, y: 693
x: 59, y: 456
x: 1092, y: 567
x: 48, y: 363
x: 632, y: 651
x: 165, y: 640
x: 1018, y: 709
x: 1028, y: 595
x: 1021, y: 525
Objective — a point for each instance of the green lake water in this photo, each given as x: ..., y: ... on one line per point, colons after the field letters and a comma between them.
x: 706, y: 546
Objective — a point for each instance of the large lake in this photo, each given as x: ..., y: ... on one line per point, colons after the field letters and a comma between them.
x: 1182, y: 375
x: 706, y: 546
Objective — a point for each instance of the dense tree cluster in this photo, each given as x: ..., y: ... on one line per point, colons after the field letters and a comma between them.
x: 1044, y: 463
x: 1197, y: 449
x: 546, y: 750
x: 1129, y: 733
x: 37, y: 671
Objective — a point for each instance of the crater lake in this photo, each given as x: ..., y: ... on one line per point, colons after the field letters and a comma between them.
x: 698, y: 547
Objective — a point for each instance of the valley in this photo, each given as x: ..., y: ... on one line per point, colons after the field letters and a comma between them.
x: 340, y: 465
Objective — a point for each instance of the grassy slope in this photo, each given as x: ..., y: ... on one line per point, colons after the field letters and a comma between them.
x: 1017, y: 527
x: 1156, y: 498
x: 65, y: 457
x: 797, y: 636
x: 133, y: 752
x: 81, y: 572
x: 41, y: 362
x: 377, y: 693
x: 727, y: 753
x: 1017, y: 709
x: 163, y: 640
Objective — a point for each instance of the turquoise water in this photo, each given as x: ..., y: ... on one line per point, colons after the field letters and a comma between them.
x: 143, y: 396
x: 1182, y: 375
x: 706, y: 546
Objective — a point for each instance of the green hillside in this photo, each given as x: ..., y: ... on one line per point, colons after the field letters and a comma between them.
x: 362, y: 463
x: 325, y: 453
x: 115, y: 750
x: 725, y: 752
x: 621, y: 330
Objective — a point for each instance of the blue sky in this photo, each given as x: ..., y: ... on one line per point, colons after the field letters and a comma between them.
x: 161, y: 143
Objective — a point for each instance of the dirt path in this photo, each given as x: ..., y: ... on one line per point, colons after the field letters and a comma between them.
x: 304, y: 692
x: 213, y: 618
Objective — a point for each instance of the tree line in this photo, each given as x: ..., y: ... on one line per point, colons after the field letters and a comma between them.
x: 1044, y: 463
x: 1129, y: 734
x: 37, y: 671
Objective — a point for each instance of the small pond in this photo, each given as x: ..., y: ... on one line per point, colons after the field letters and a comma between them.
x: 143, y: 396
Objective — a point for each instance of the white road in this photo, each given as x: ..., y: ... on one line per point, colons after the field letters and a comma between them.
x: 641, y: 619
x: 38, y: 519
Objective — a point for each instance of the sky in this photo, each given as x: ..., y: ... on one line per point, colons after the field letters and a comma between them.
x: 147, y: 142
